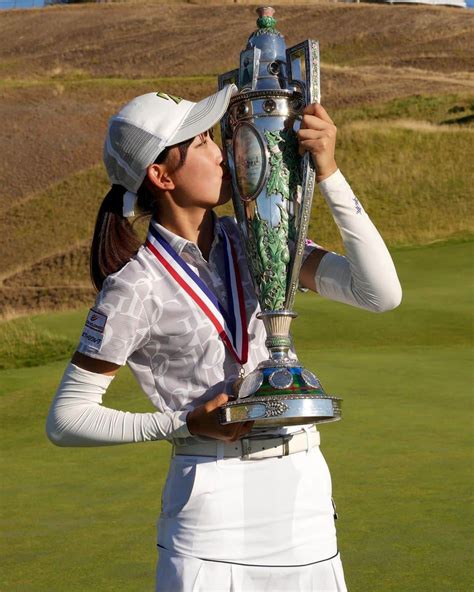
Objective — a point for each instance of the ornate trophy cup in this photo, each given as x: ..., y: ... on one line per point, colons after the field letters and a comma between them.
x: 272, y: 194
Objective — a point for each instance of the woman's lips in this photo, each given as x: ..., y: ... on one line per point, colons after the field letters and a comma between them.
x: 226, y: 176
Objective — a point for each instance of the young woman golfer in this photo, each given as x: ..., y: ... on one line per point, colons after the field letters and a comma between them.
x: 229, y: 521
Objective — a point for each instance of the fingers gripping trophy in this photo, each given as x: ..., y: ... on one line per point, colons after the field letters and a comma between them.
x: 272, y: 193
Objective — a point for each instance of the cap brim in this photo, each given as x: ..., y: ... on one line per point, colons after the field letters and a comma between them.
x: 203, y: 115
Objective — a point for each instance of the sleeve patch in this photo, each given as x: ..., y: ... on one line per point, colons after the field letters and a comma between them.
x: 96, y: 321
x: 93, y: 332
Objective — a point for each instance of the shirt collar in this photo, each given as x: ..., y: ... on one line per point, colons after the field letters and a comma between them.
x: 181, y: 244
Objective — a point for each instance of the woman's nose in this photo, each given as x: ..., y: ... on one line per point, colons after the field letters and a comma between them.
x: 220, y: 155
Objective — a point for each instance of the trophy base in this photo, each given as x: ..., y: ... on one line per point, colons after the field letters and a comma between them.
x: 282, y: 394
x: 282, y: 410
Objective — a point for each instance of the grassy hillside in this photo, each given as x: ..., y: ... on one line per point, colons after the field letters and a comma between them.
x: 396, y: 79
x: 121, y: 40
x: 81, y: 520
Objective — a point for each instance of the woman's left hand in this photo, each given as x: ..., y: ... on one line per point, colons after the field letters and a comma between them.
x: 317, y: 134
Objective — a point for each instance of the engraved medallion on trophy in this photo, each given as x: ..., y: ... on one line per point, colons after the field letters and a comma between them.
x: 272, y: 195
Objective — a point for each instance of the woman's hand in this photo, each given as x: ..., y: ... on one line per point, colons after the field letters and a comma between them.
x: 204, y: 421
x: 317, y: 134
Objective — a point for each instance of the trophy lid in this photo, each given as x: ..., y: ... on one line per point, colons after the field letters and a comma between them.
x: 265, y: 18
x: 272, y: 45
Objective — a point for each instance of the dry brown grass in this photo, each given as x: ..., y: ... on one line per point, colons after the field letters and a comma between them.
x: 74, y: 266
x: 64, y: 70
x: 409, y: 124
x: 51, y: 222
x: 54, y: 129
x: 54, y: 100
x: 162, y: 40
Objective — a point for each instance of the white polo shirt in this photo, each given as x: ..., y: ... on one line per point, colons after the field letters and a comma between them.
x: 144, y: 318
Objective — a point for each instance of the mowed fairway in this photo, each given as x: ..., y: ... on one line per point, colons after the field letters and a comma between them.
x: 83, y: 520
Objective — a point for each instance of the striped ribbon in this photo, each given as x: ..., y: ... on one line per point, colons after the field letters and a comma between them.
x: 231, y: 325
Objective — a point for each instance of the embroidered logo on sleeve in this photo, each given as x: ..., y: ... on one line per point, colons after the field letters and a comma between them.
x: 93, y: 332
x: 358, y: 207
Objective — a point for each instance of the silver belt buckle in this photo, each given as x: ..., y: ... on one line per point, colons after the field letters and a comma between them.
x: 246, y: 444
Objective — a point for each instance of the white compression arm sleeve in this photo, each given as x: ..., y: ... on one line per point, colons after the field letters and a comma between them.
x: 77, y: 417
x: 366, y: 276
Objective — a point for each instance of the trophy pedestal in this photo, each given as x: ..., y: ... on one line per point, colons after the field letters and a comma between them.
x: 281, y: 395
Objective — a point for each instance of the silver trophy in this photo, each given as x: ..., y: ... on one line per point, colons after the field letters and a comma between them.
x: 272, y: 194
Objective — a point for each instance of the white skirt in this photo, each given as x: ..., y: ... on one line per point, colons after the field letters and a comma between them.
x: 268, y: 520
x: 176, y: 573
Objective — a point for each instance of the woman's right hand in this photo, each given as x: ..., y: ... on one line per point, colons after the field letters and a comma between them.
x: 204, y: 421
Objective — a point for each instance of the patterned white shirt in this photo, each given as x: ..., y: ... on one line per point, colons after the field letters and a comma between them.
x: 146, y: 320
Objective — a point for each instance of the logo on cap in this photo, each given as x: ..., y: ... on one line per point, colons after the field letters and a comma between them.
x: 169, y: 97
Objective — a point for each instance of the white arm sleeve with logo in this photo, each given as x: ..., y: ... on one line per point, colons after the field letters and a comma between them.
x: 366, y: 276
x: 77, y: 417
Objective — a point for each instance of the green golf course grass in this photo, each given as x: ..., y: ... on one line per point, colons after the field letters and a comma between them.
x: 83, y: 520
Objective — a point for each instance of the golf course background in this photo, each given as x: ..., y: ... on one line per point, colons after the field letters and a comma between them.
x: 398, y: 82
x: 84, y: 519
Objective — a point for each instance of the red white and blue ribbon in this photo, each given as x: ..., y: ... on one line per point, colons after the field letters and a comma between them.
x: 231, y: 325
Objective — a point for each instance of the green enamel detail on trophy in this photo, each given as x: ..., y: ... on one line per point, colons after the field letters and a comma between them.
x: 269, y: 256
x: 298, y: 387
x: 277, y: 342
x: 285, y: 169
x: 267, y: 22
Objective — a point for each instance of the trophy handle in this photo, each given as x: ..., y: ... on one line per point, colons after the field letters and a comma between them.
x: 304, y: 73
x: 230, y: 77
x: 249, y: 69
x: 303, y: 69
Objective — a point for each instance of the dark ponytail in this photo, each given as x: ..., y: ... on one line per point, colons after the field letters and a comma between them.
x: 115, y: 241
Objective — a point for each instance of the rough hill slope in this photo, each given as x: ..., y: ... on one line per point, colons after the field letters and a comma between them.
x: 64, y: 70
x: 136, y: 41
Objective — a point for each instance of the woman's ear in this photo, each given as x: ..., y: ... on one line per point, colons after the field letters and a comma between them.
x: 159, y: 176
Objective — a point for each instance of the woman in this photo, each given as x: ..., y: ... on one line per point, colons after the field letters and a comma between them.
x: 229, y: 521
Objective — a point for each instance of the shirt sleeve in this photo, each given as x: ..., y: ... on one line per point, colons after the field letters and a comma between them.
x: 366, y: 276
x: 78, y: 418
x: 117, y: 324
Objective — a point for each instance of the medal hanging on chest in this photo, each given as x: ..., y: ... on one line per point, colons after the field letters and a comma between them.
x: 231, y: 325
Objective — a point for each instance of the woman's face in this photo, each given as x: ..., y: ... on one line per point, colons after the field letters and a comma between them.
x: 203, y: 180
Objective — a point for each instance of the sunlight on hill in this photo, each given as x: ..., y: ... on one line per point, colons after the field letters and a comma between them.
x: 403, y: 107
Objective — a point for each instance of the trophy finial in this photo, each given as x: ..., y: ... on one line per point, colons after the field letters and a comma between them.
x: 265, y: 17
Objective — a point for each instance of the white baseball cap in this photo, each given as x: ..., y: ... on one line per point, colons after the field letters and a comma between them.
x: 143, y: 128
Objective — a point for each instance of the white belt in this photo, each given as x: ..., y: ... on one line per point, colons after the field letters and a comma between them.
x: 254, y: 448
